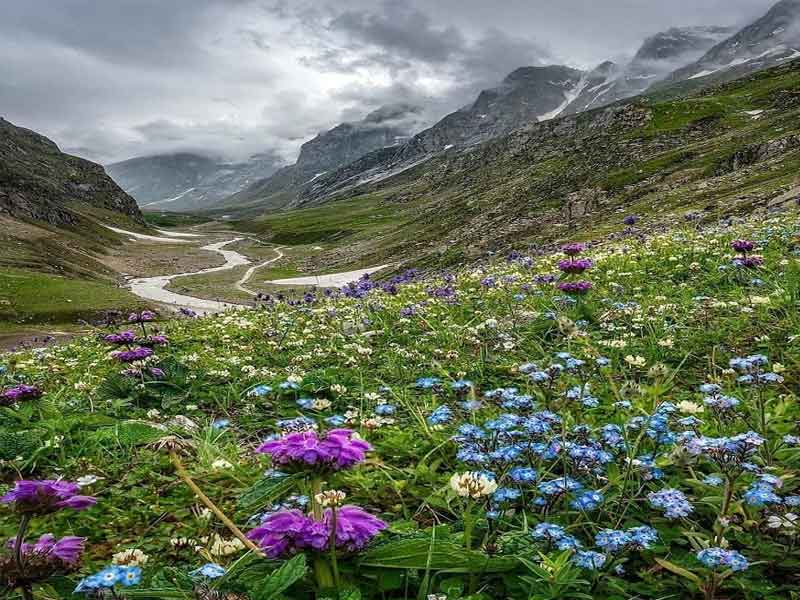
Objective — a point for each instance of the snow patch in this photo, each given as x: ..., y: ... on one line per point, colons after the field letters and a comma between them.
x: 569, y: 98
x: 142, y: 236
x: 173, y: 199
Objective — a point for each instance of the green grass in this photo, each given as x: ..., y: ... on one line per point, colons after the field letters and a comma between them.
x: 157, y: 219
x: 35, y: 298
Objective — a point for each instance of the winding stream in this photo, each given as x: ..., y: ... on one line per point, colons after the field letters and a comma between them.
x: 152, y: 288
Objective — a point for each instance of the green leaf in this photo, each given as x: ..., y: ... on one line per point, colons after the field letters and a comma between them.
x: 267, y: 490
x: 441, y: 555
x: 669, y: 566
x: 282, y: 578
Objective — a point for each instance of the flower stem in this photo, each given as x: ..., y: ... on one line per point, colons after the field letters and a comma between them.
x: 334, y: 562
x: 184, y: 475
x: 24, y: 522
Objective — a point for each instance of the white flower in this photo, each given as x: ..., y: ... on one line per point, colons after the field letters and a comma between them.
x: 788, y: 521
x: 87, y: 480
x: 221, y: 463
x: 330, y: 498
x: 690, y: 408
x: 472, y: 484
x: 635, y: 361
x: 132, y: 557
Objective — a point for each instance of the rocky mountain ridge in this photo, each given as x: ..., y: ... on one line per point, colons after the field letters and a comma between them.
x: 40, y: 183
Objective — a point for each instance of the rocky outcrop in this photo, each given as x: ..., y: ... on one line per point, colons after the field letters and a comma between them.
x: 41, y: 183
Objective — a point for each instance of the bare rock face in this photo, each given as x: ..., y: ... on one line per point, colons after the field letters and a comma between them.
x: 39, y: 182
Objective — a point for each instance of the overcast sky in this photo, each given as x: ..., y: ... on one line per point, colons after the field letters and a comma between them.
x: 112, y: 79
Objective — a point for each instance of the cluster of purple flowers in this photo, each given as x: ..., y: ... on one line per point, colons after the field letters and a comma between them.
x: 67, y: 549
x: 574, y: 266
x: 287, y: 532
x: 335, y: 450
x: 134, y: 355
x: 29, y: 563
x: 18, y: 393
x: 46, y: 496
x: 745, y: 259
x: 142, y: 317
x: 40, y: 560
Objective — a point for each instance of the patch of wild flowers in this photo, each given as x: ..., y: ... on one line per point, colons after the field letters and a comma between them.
x: 613, y: 420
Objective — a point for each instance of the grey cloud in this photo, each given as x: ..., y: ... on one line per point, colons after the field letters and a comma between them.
x: 113, y: 79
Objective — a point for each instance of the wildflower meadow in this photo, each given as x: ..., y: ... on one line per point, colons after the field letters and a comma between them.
x: 604, y: 420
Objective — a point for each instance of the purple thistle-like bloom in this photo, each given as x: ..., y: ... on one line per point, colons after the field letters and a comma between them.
x: 142, y: 317
x: 289, y: 531
x: 743, y: 245
x: 129, y: 356
x: 748, y: 262
x: 337, y: 449
x: 281, y: 533
x: 575, y: 265
x: 46, y: 496
x: 573, y: 249
x: 67, y: 549
x: 575, y: 287
x: 18, y: 393
x: 355, y: 527
x: 123, y: 337
x: 630, y: 220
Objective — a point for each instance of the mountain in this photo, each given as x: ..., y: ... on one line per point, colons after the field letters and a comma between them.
x: 186, y: 181
x: 40, y: 183
x: 386, y: 127
x: 525, y: 95
x: 713, y: 153
x: 658, y: 56
x: 771, y: 40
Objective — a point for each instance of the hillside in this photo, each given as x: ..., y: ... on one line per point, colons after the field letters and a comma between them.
x: 53, y: 212
x: 716, y: 151
x: 40, y: 183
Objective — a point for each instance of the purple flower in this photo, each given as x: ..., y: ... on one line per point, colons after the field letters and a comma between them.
x: 630, y: 220
x: 290, y: 531
x: 18, y: 393
x: 337, y: 449
x: 283, y: 532
x: 129, y: 356
x: 355, y: 527
x: 743, y: 245
x: 123, y: 337
x: 575, y: 265
x: 748, y: 262
x: 142, y: 317
x: 46, y: 496
x: 67, y: 549
x: 575, y: 287
x: 573, y: 249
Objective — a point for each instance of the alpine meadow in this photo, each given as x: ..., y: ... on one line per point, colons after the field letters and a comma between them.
x: 400, y: 301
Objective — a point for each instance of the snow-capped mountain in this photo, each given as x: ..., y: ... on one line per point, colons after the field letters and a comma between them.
x: 658, y: 56
x: 772, y: 39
